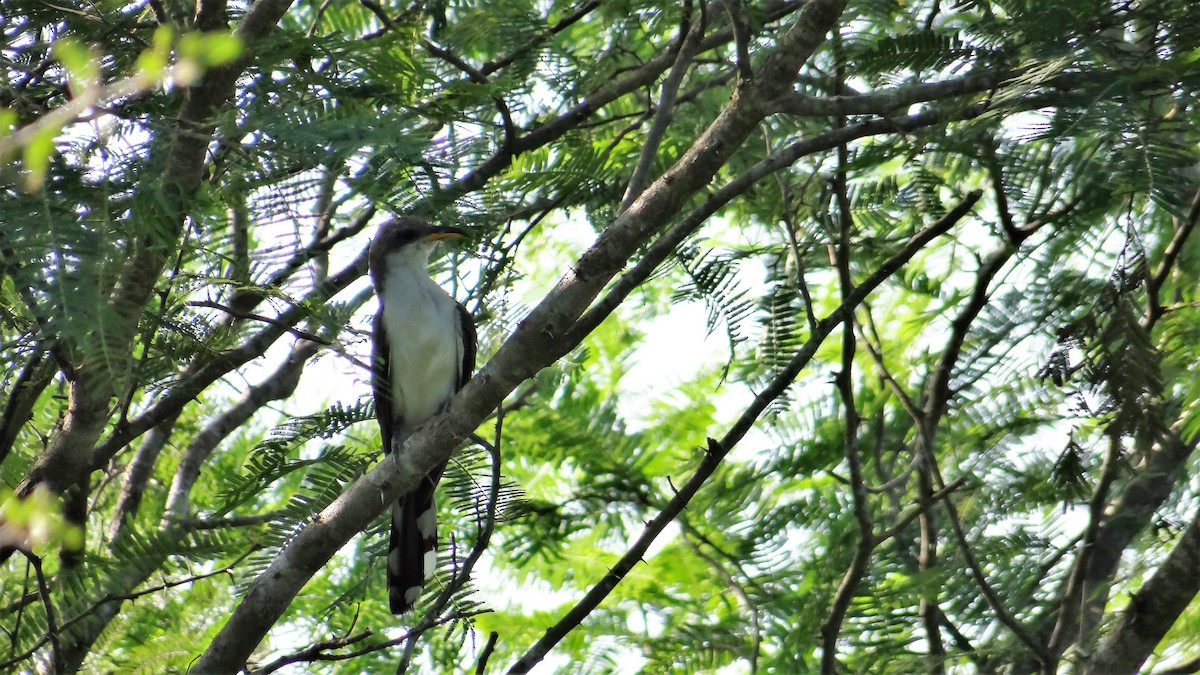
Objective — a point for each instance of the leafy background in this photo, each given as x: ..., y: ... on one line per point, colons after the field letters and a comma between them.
x: 1011, y: 420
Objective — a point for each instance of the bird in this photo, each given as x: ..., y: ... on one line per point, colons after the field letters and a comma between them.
x: 423, y: 352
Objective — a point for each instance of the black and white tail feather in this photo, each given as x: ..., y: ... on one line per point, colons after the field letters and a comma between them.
x: 412, y: 546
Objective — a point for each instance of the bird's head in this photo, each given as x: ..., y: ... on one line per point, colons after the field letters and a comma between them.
x: 406, y: 240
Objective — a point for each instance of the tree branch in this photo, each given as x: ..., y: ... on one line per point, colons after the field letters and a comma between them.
x: 748, y: 604
x: 33, y: 379
x: 689, y: 43
x: 486, y: 653
x: 662, y: 247
x: 1170, y: 256
x: 237, y: 314
x: 529, y: 349
x: 559, y: 26
x: 56, y: 651
x: 1152, y: 610
x: 937, y: 399
x: 278, y: 385
x: 316, y: 652
x: 832, y: 626
x: 885, y: 102
x: 741, y: 38
x: 138, y: 473
x: 1074, y: 600
x: 244, y: 300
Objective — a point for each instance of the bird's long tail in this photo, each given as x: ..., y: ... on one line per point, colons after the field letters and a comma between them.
x: 412, y: 547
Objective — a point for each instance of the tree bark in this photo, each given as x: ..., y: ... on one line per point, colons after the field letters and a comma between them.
x: 1152, y: 610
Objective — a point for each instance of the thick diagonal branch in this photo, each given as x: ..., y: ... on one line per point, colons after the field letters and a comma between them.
x: 1152, y: 610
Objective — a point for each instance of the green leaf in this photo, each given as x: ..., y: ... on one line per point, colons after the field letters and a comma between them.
x: 82, y: 64
x: 152, y: 62
x: 209, y: 49
x: 38, y: 151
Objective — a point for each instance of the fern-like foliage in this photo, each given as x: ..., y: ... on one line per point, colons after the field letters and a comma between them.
x: 713, y: 279
x: 1117, y: 364
x: 1023, y: 384
x: 277, y: 457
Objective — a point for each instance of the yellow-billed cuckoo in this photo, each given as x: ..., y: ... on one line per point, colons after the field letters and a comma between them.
x: 423, y: 352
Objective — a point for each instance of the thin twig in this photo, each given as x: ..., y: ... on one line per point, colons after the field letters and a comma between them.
x: 1073, y: 603
x: 486, y: 653
x: 52, y: 633
x: 212, y: 304
x: 308, y: 654
x: 748, y: 604
x: 380, y: 13
x: 996, y: 173
x: 838, y: 607
x: 233, y: 521
x: 791, y: 229
x: 989, y: 593
x: 741, y: 38
x: 874, y: 348
x: 20, y: 609
x: 1170, y: 256
x: 686, y: 525
x: 246, y: 299
x: 506, y: 120
x: 313, y: 652
x: 317, y: 16
x: 558, y: 27
x: 938, y: 394
x: 184, y: 391
x: 910, y: 514
x: 51, y: 623
x: 666, y: 244
x: 690, y: 38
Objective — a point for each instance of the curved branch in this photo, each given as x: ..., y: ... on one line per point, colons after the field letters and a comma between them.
x: 662, y: 247
x: 278, y: 385
x: 1170, y: 257
x: 1152, y: 610
x: 68, y: 458
x: 531, y: 347
x: 33, y: 379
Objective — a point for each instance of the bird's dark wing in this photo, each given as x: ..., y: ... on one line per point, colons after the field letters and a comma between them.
x: 381, y: 381
x: 470, y: 340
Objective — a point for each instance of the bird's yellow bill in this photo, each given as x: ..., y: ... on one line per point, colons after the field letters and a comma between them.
x: 438, y: 236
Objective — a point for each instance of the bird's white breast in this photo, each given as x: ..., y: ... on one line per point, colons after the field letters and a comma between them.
x: 425, y: 336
